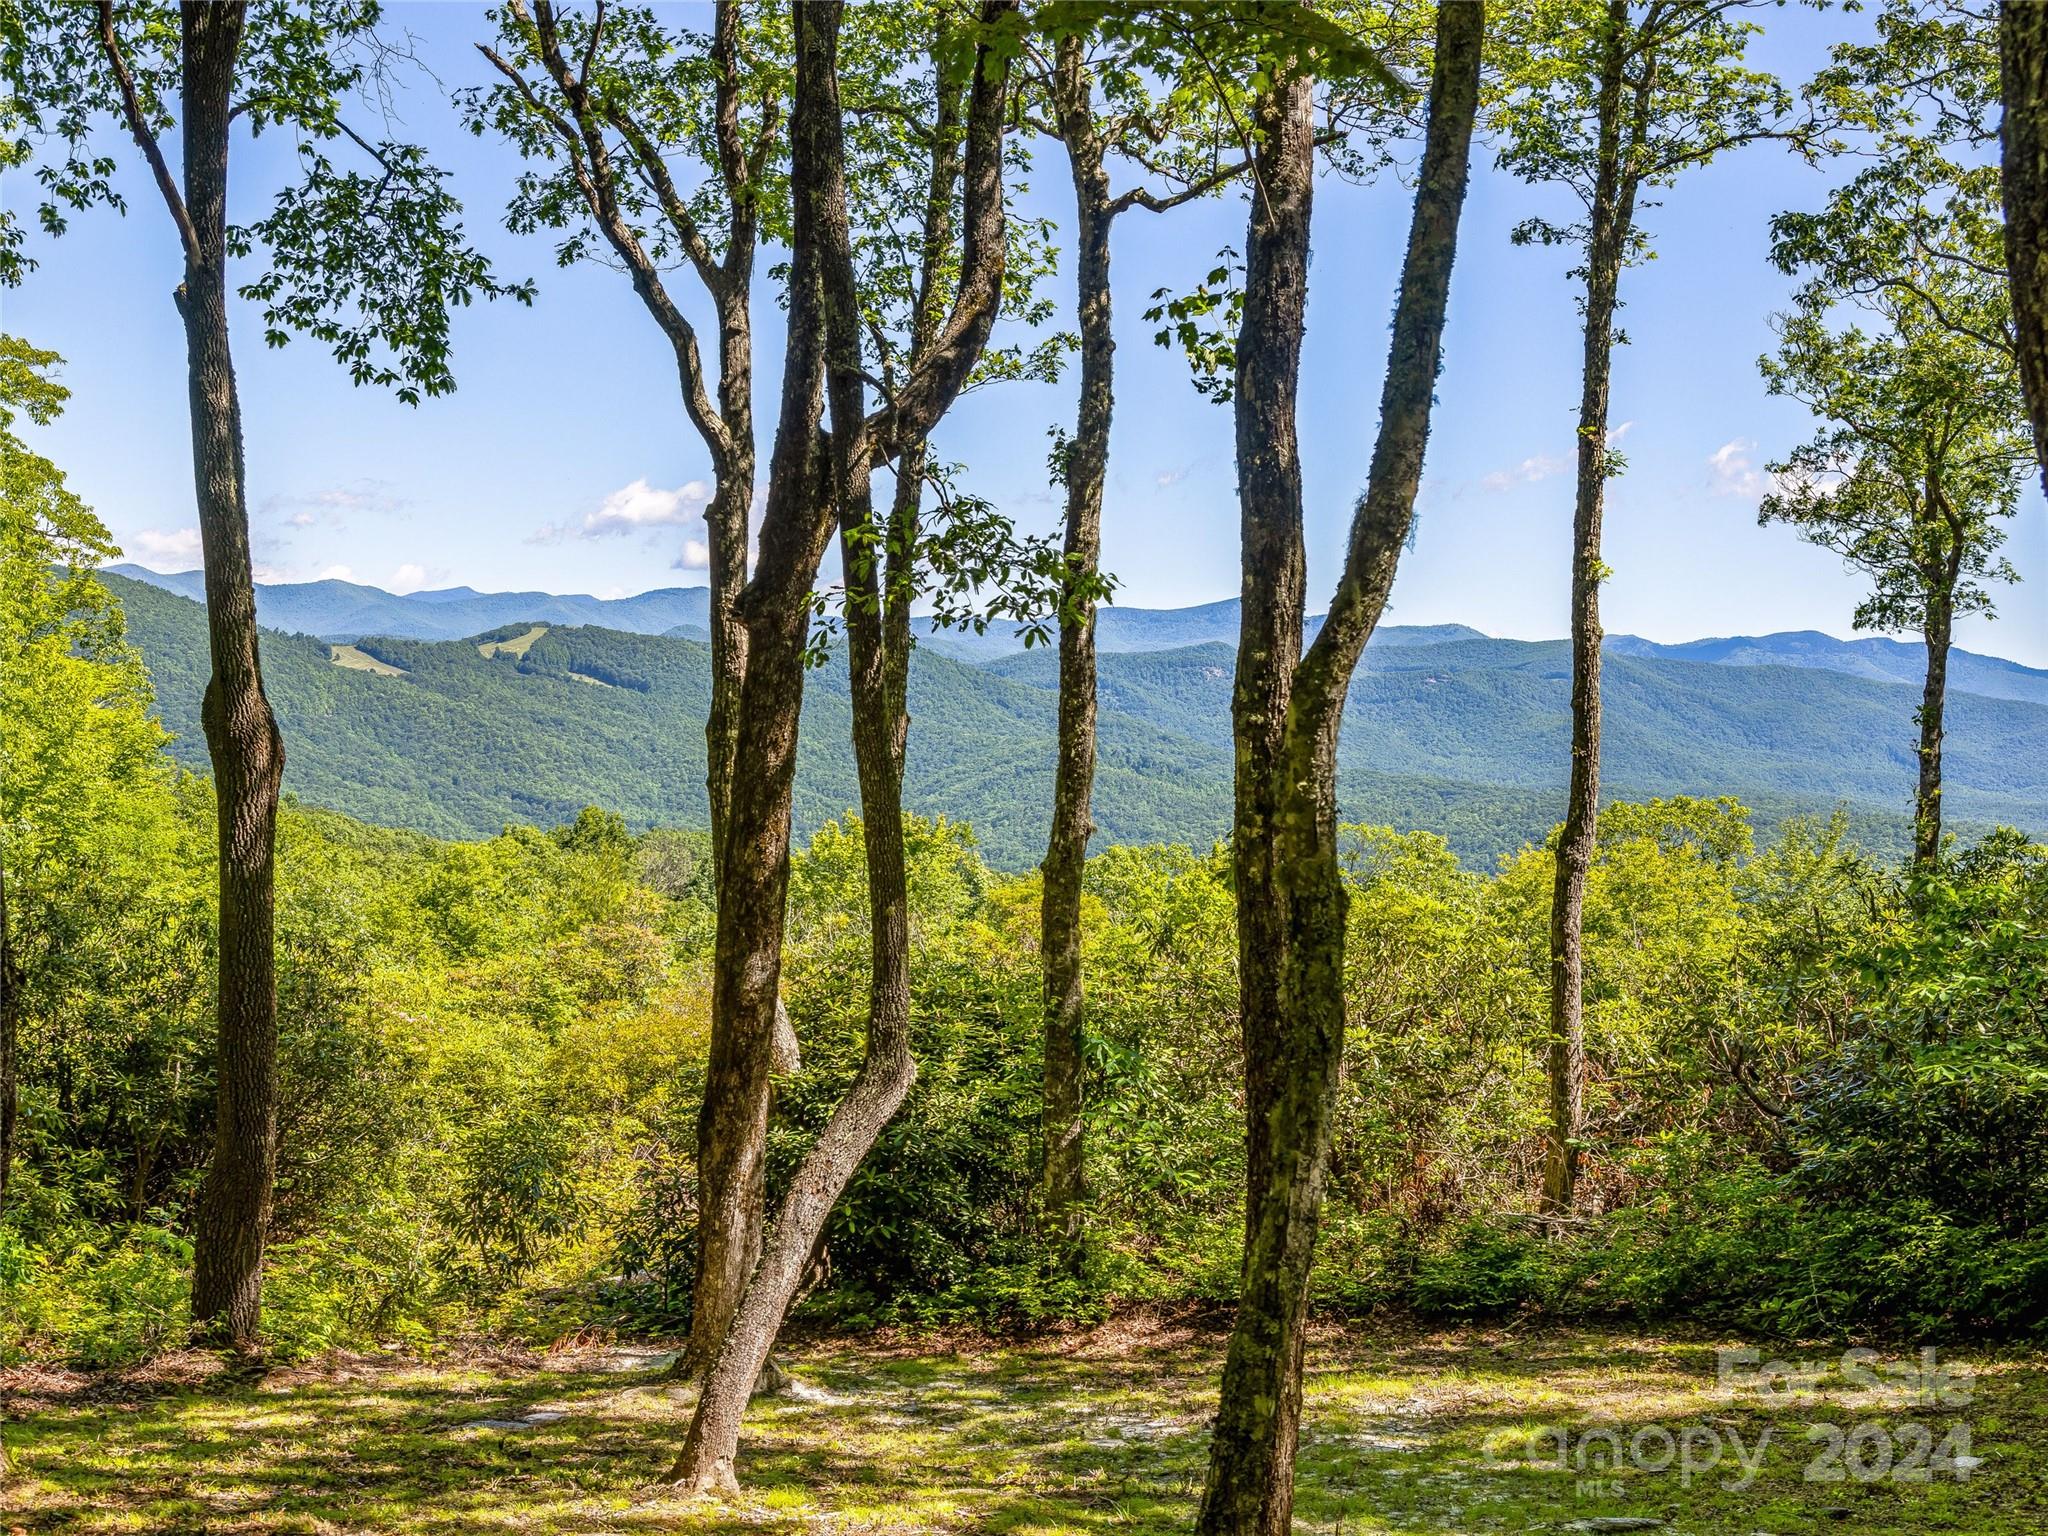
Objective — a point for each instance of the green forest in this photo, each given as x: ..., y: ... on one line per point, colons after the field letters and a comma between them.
x: 877, y: 1060
x: 464, y: 744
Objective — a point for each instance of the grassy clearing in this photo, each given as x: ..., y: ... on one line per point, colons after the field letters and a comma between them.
x: 361, y: 661
x: 1103, y: 1432
x: 518, y: 645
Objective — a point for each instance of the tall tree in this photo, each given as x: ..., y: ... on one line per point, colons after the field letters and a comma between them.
x: 1606, y: 98
x: 1926, y: 411
x: 1923, y: 451
x: 819, y: 480
x: 369, y: 262
x: 1286, y: 717
x: 604, y: 101
x: 1103, y: 103
x: 2023, y: 86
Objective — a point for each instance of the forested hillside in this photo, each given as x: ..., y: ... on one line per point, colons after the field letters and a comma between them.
x: 1450, y: 735
x: 345, y: 610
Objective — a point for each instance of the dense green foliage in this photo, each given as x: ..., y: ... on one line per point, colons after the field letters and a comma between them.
x: 1817, y: 1099
x: 1452, y: 737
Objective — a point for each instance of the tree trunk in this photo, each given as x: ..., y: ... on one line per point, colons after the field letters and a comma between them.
x: 10, y: 1037
x: 730, y: 1148
x: 754, y: 880
x: 1610, y: 217
x: 1275, y: 577
x: 241, y: 732
x: 1066, y: 853
x: 823, y: 273
x: 1291, y: 1104
x: 732, y: 1124
x: 2023, y: 85
x: 813, y: 479
x: 1937, y: 632
x: 888, y: 1069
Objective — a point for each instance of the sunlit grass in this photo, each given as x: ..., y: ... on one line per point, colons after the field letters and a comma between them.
x: 1402, y: 1437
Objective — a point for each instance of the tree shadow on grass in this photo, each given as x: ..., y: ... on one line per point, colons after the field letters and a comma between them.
x: 1402, y: 1436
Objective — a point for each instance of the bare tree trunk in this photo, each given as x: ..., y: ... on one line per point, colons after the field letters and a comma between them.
x: 1250, y: 1487
x: 816, y: 325
x: 1273, y: 590
x: 1611, y: 216
x: 1937, y: 632
x: 731, y: 1148
x: 732, y: 1125
x: 241, y: 732
x: 2023, y: 85
x: 754, y: 882
x: 825, y: 314
x: 10, y: 1037
x: 1066, y: 853
x: 725, y: 520
x: 888, y: 1068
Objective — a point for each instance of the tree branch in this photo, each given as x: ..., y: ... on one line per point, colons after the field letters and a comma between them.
x: 1141, y: 197
x: 600, y: 192
x: 654, y: 170
x: 138, y: 125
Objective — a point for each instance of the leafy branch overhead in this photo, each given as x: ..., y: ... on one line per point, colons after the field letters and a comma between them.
x: 371, y: 261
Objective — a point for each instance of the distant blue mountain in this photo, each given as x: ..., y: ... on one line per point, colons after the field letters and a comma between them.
x: 1874, y: 657
x: 348, y: 611
x: 1445, y: 729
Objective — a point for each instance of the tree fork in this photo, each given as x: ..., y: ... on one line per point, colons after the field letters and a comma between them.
x: 1250, y: 1486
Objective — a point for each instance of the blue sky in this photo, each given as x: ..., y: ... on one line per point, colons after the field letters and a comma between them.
x: 564, y: 461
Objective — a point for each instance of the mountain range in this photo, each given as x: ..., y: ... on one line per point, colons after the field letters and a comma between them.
x: 428, y: 719
x: 347, y: 611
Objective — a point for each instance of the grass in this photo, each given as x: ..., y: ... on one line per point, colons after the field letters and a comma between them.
x: 518, y: 645
x: 1101, y: 1432
x: 361, y: 661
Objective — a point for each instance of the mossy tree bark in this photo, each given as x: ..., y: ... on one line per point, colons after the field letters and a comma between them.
x: 241, y: 732
x: 596, y: 129
x: 2023, y: 87
x: 1944, y: 547
x: 818, y: 480
x: 1622, y: 123
x: 1088, y: 141
x: 1292, y: 1069
x: 1269, y: 492
x: 1086, y: 468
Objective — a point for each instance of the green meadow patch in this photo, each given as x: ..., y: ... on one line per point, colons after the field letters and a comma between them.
x: 1413, y: 1433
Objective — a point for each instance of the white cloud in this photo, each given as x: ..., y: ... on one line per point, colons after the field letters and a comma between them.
x: 1616, y: 434
x: 408, y: 578
x: 1541, y: 466
x: 1172, y: 477
x: 1734, y: 472
x: 636, y: 508
x: 329, y: 506
x: 696, y: 556
x: 176, y: 550
x: 343, y: 573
